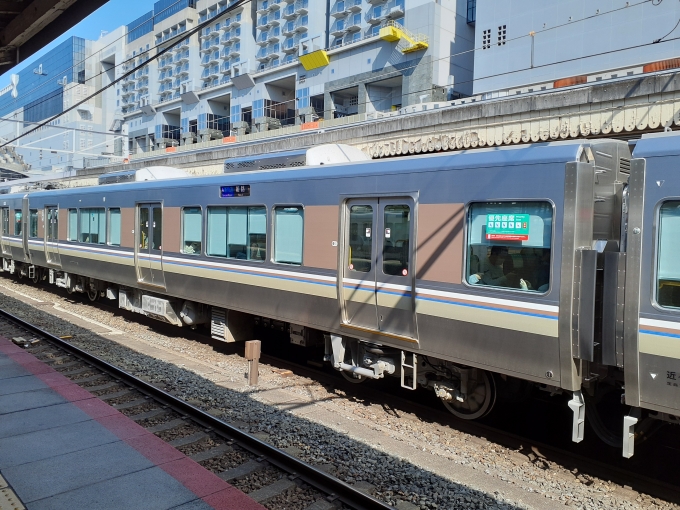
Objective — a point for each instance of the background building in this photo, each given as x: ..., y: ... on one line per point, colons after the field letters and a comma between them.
x: 534, y: 42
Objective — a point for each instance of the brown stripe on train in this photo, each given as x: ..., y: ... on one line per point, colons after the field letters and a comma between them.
x: 321, y: 229
x: 127, y: 227
x: 41, y: 224
x: 63, y: 224
x: 171, y: 229
x: 439, y: 254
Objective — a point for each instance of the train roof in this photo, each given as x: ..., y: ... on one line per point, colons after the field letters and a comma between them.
x: 540, y: 153
x: 657, y: 144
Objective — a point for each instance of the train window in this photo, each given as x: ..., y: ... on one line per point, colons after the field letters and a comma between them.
x: 5, y: 221
x: 33, y: 223
x: 668, y: 271
x: 396, y: 239
x: 93, y: 226
x: 157, y: 241
x: 114, y: 226
x: 72, y: 225
x: 192, y: 230
x: 360, y: 241
x: 17, y: 222
x: 509, y: 245
x: 288, y: 230
x: 144, y: 228
x: 237, y: 232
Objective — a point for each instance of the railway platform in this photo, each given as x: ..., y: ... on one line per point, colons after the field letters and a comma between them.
x: 63, y: 448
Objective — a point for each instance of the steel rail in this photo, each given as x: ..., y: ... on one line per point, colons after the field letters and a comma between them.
x: 334, y: 487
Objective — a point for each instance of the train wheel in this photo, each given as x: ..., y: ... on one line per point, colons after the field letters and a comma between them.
x: 480, y: 399
x: 36, y: 276
x: 92, y: 294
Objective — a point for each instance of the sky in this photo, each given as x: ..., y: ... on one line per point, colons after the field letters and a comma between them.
x: 108, y: 17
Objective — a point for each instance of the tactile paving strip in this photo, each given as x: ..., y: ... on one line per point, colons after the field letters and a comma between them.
x: 8, y: 499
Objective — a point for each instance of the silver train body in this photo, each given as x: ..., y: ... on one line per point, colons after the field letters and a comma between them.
x: 395, y: 266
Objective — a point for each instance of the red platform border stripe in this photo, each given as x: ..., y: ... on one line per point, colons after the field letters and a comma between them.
x: 206, y: 485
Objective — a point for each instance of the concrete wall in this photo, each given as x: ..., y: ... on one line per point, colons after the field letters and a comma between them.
x: 572, y: 37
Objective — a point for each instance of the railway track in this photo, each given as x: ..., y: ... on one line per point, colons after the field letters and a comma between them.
x: 269, y: 475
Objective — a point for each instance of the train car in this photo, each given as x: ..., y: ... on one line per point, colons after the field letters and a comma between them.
x: 648, y: 339
x: 473, y: 274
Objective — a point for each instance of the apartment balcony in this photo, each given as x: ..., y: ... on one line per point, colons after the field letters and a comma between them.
x: 183, y: 57
x: 340, y: 9
x: 215, y: 72
x: 263, y: 23
x: 288, y: 12
x: 225, y: 68
x: 215, y: 29
x: 206, y: 59
x: 291, y: 45
x: 182, y: 70
x: 395, y: 10
x: 215, y: 43
x: 205, y: 45
x: 142, y: 86
x: 339, y: 28
x: 234, y: 51
x: 205, y: 74
x: 267, y: 54
x: 353, y: 5
x: 288, y: 28
x: 263, y: 7
x: 164, y: 64
x: 274, y: 34
x: 353, y: 23
x: 301, y: 7
x: 301, y: 24
x: 375, y: 2
x: 214, y: 57
x: 183, y: 44
x: 377, y: 14
x: 125, y: 93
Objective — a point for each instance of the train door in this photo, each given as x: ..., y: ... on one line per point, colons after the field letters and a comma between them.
x: 6, y: 223
x: 148, y: 243
x: 25, y: 227
x: 52, y: 235
x: 377, y: 266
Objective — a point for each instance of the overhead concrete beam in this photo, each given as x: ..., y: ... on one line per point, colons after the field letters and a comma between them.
x: 38, y: 24
x: 35, y: 17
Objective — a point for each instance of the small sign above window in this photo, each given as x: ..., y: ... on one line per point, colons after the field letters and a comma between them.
x: 507, y: 227
x: 242, y: 190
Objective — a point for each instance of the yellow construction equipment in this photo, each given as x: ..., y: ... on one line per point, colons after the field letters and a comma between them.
x: 315, y: 59
x: 392, y: 31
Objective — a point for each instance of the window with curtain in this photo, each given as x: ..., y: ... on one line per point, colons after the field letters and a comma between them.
x: 93, y: 226
x: 191, y: 230
x: 72, y: 234
x: 237, y: 232
x: 288, y: 233
x: 114, y: 226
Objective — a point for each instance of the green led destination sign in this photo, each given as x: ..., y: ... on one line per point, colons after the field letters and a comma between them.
x: 507, y: 227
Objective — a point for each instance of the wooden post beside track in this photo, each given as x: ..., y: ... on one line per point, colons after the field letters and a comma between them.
x: 253, y: 348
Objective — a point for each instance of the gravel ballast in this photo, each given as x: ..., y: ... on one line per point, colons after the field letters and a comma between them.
x: 400, y: 456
